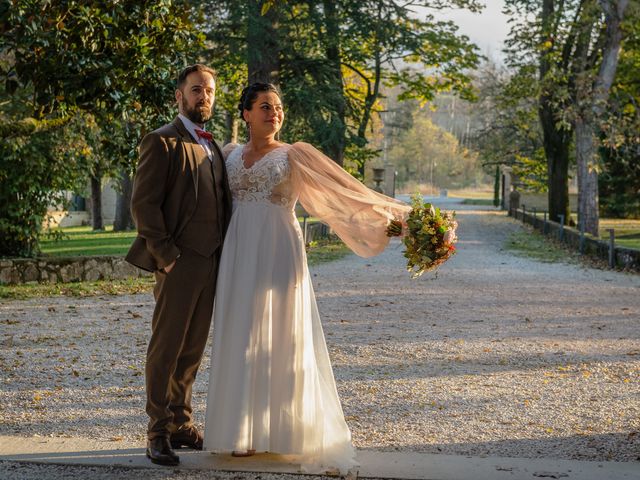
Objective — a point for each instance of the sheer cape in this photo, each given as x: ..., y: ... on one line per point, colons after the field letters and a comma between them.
x: 357, y: 214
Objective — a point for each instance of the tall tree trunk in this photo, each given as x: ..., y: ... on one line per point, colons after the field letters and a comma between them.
x: 335, y: 148
x: 123, y: 220
x: 96, y: 200
x: 231, y: 132
x: 262, y: 44
x: 556, y: 143
x: 556, y: 137
x: 587, y: 159
x: 591, y: 107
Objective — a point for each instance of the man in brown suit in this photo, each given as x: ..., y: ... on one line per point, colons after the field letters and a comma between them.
x: 181, y: 205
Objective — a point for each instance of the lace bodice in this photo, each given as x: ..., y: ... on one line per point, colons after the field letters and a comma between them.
x: 268, y: 180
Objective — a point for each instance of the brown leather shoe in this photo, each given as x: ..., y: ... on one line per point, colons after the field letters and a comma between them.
x: 159, y: 452
x: 187, y: 437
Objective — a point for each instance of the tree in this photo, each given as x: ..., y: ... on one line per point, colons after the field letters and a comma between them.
x: 384, y: 42
x: 619, y: 179
x: 263, y: 46
x: 542, y: 36
x: 592, y: 93
x: 107, y: 59
x: 335, y: 58
x: 576, y: 44
x: 427, y: 154
x: 39, y: 159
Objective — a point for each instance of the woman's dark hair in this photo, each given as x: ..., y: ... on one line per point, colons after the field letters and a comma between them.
x: 250, y: 93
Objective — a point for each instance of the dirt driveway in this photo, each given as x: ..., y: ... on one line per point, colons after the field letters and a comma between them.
x: 498, y: 355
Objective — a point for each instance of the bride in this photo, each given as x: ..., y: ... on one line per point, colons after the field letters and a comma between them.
x: 271, y: 385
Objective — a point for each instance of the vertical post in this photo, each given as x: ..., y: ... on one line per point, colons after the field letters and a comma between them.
x: 304, y: 228
x: 561, y: 231
x: 523, y: 212
x: 612, y: 248
x: 544, y: 224
x: 535, y: 217
x: 581, y: 236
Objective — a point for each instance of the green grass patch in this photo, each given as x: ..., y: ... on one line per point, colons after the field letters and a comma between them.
x: 478, y: 201
x: 627, y: 232
x: 472, y: 193
x: 326, y: 250
x: 531, y: 244
x: 127, y: 286
x: 318, y: 252
x: 83, y: 241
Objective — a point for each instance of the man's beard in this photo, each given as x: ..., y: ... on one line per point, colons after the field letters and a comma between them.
x: 199, y: 115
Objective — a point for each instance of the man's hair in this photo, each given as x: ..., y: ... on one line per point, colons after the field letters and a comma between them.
x: 198, y: 67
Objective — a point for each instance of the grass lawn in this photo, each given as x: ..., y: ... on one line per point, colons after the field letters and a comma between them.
x: 478, y: 201
x: 82, y: 241
x: 472, y: 193
x: 531, y: 243
x: 627, y: 232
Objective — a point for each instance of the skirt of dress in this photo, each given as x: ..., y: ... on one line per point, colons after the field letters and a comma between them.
x: 271, y: 386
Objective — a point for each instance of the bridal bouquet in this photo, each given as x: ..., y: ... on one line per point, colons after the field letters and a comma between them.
x: 429, y: 237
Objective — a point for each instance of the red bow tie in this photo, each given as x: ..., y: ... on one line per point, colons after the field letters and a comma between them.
x: 203, y: 134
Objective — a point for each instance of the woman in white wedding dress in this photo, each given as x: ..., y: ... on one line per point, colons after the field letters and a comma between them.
x: 271, y: 385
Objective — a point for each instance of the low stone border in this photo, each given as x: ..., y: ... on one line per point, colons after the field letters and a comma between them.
x: 90, y: 269
x: 66, y: 269
x: 627, y: 258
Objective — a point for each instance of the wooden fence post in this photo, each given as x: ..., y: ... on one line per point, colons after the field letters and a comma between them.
x: 612, y: 248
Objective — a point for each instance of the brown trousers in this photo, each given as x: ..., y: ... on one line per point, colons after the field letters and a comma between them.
x: 179, y: 332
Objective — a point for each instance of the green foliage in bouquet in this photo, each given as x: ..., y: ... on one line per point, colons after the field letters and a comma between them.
x: 430, y: 236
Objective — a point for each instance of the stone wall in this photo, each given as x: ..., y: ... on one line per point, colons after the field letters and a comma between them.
x: 73, y: 269
x: 90, y: 269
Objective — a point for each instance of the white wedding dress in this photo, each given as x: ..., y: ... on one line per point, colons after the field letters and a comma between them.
x: 271, y: 385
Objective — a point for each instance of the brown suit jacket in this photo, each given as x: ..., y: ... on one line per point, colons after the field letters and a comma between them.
x: 165, y: 192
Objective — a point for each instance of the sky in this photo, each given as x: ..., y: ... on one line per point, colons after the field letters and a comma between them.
x: 488, y: 29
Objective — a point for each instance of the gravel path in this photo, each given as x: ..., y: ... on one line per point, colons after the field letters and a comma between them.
x: 498, y: 355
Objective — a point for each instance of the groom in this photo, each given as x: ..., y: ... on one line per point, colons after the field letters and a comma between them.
x: 181, y: 205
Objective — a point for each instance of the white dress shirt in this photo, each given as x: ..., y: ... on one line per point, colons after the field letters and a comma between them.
x: 191, y: 128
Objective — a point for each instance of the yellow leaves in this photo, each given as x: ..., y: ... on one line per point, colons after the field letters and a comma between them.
x: 39, y: 395
x: 629, y: 109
